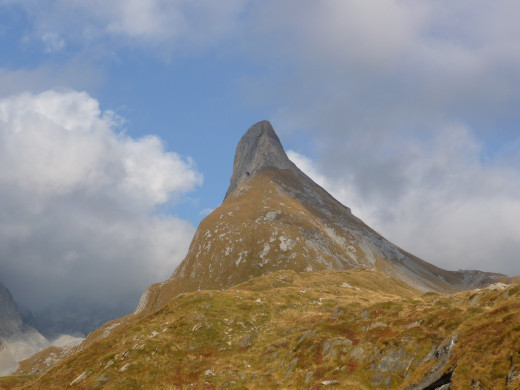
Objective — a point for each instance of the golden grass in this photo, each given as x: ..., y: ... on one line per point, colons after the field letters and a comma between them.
x: 296, y: 330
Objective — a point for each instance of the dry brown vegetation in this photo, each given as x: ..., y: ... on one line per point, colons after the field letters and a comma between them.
x: 277, y: 221
x: 351, y: 329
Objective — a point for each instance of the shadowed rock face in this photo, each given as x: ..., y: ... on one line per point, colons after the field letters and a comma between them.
x: 17, y: 339
x: 10, y: 320
x: 258, y: 149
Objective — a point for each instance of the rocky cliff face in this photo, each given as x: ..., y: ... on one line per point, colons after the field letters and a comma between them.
x: 274, y: 217
x: 17, y: 339
x: 10, y: 319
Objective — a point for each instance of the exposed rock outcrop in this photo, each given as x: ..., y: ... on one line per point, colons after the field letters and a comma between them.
x: 438, y: 377
x: 259, y: 148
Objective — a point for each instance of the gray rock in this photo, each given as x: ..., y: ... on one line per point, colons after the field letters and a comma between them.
x: 101, y: 380
x: 437, y: 376
x: 358, y: 354
x: 380, y: 379
x: 325, y: 347
x: 291, y: 367
x: 258, y: 149
x: 474, y: 300
x: 394, y: 360
x: 330, y: 382
x: 270, y: 353
x: 245, y: 342
x: 80, y: 378
x: 476, y: 279
x: 414, y: 324
x: 377, y: 325
x: 513, y: 377
x: 329, y: 349
x: 307, y: 335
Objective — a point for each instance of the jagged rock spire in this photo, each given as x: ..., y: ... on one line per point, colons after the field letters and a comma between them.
x: 258, y: 149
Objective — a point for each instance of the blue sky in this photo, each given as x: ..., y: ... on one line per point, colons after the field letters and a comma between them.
x: 119, y: 121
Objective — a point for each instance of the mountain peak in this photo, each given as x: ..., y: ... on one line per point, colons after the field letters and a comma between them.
x: 282, y: 220
x: 259, y: 148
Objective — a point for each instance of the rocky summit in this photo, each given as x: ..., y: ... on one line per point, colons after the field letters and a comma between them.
x: 284, y: 287
x: 260, y: 148
x: 274, y: 217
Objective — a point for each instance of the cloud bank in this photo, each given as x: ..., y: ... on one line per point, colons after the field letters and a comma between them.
x: 413, y: 111
x: 80, y: 227
x: 444, y: 204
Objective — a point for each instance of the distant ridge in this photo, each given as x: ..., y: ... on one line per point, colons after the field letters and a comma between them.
x: 17, y: 339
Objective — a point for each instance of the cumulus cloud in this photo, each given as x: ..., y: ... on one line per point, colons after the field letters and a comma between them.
x: 80, y: 231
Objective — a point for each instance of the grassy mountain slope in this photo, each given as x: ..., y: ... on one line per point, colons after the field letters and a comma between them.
x: 353, y: 329
x: 278, y: 220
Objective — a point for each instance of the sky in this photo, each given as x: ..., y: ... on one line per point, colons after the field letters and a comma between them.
x: 119, y: 121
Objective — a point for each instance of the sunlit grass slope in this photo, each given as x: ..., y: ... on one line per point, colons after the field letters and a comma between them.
x: 351, y: 329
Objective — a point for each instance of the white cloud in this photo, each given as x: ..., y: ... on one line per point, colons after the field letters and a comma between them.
x: 77, y: 74
x: 206, y: 211
x: 53, y: 42
x: 412, y: 108
x: 368, y: 67
x: 148, y: 22
x: 453, y: 208
x: 79, y: 198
